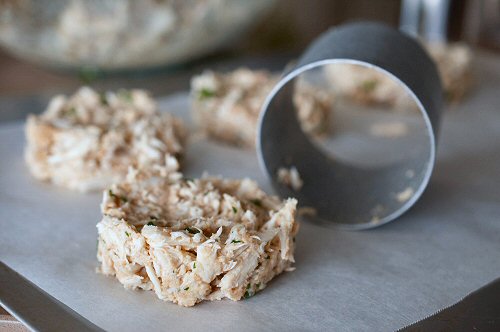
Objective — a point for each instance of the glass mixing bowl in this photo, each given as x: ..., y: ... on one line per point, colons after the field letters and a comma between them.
x: 123, y: 34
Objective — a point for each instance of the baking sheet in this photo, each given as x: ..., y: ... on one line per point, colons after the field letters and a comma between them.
x: 382, y: 279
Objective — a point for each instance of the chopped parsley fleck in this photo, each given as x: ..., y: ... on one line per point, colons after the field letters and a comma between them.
x: 192, y: 230
x: 88, y: 74
x: 71, y: 111
x: 194, y: 265
x: 235, y: 210
x: 152, y: 220
x: 247, y: 294
x: 256, y: 202
x: 206, y: 93
x: 128, y: 234
x: 369, y: 85
x: 257, y: 286
x: 187, y: 288
x: 103, y: 99
x: 236, y: 241
x: 125, y: 95
x: 117, y: 198
x: 248, y: 286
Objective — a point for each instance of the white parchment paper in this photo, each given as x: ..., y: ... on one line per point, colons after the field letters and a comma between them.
x: 444, y: 247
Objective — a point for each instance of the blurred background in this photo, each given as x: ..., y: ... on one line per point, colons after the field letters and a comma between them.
x: 55, y: 46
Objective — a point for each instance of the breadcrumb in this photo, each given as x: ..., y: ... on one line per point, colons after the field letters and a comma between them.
x: 290, y: 177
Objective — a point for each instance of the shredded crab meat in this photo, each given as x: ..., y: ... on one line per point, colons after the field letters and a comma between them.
x: 87, y: 141
x: 368, y: 86
x: 226, y: 106
x: 389, y: 129
x: 405, y: 195
x: 454, y: 63
x: 290, y: 177
x: 193, y: 240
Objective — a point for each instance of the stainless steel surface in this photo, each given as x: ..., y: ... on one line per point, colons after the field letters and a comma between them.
x: 409, y: 20
x: 35, y: 308
x: 343, y: 193
x: 425, y: 18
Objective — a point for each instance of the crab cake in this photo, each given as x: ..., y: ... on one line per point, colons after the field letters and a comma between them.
x: 87, y: 141
x: 226, y: 106
x: 191, y: 240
